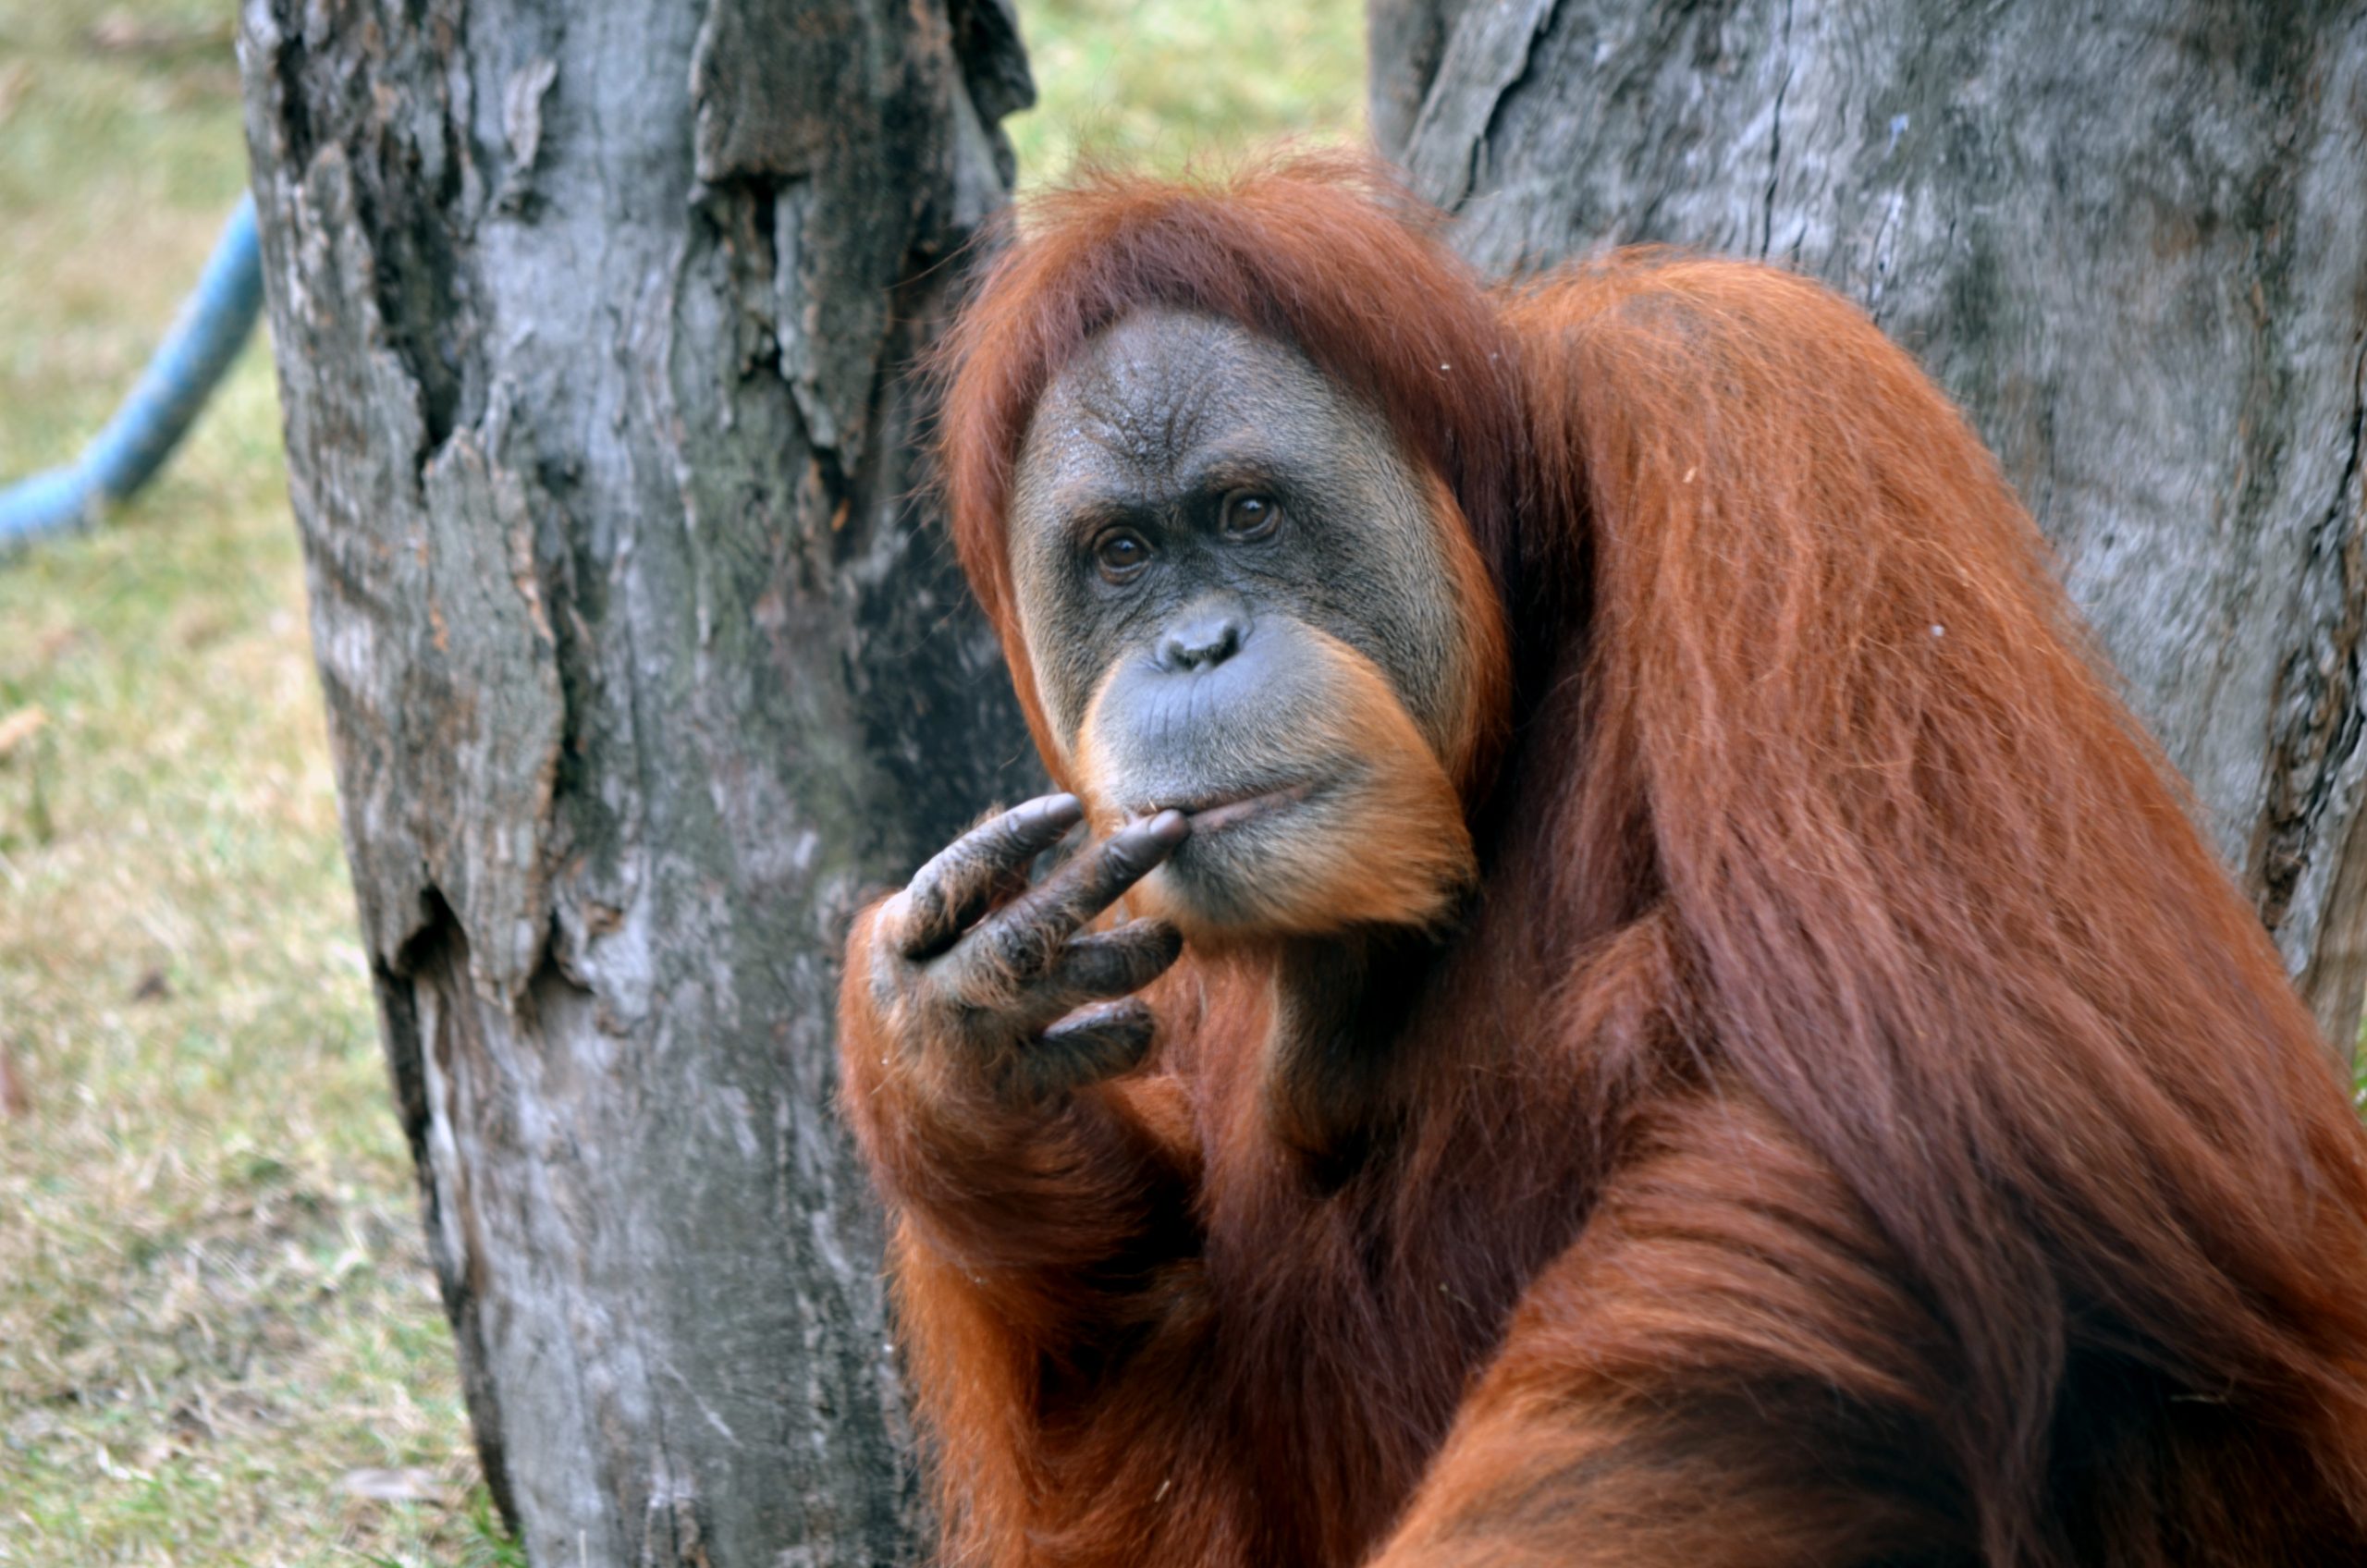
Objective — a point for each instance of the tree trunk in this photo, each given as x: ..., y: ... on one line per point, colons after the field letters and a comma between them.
x: 1404, y: 42
x: 594, y: 328
x: 2131, y: 238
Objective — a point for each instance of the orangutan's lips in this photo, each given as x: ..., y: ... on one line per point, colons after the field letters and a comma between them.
x: 1224, y: 810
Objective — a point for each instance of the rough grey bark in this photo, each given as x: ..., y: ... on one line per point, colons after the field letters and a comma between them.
x: 593, y: 326
x: 2132, y: 237
x: 1404, y: 42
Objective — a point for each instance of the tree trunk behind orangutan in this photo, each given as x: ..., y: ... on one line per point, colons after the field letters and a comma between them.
x: 594, y: 326
x: 2130, y: 238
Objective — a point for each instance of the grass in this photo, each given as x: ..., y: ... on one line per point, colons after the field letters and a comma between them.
x: 219, y: 1341
x: 1157, y: 85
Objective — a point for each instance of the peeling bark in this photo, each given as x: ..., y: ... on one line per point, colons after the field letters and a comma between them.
x: 594, y: 328
x: 2130, y: 238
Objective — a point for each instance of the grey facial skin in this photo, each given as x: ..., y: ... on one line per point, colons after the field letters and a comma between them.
x: 1161, y: 417
x: 1198, y: 660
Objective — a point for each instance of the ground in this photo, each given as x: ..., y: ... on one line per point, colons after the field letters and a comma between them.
x: 219, y: 1340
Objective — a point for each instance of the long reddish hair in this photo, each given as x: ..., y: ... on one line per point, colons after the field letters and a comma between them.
x: 1944, y: 906
x: 1817, y: 794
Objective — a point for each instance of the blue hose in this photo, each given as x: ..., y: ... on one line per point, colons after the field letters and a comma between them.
x: 212, y: 329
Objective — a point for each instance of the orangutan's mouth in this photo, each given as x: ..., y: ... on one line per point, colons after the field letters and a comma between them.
x: 1214, y: 813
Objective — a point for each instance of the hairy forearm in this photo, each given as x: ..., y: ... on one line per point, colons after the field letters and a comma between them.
x: 1063, y: 1186
x: 1733, y: 1480
x: 1724, y: 1370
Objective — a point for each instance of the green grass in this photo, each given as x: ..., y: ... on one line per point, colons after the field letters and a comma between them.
x: 216, y: 1314
x: 1159, y: 85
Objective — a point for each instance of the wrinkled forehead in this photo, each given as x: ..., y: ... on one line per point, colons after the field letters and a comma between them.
x: 1149, y: 397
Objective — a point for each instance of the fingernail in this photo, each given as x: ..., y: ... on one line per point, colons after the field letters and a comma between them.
x: 1063, y: 807
x: 1169, y: 828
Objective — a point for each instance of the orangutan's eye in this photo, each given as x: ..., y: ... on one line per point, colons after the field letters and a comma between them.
x: 1122, y: 553
x: 1249, y: 514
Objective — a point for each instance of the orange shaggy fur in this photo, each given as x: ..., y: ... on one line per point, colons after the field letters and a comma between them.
x: 1855, y: 1123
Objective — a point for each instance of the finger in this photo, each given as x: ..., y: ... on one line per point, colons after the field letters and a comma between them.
x: 1099, y: 966
x: 1023, y: 938
x: 1088, y: 1046
x: 948, y: 895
